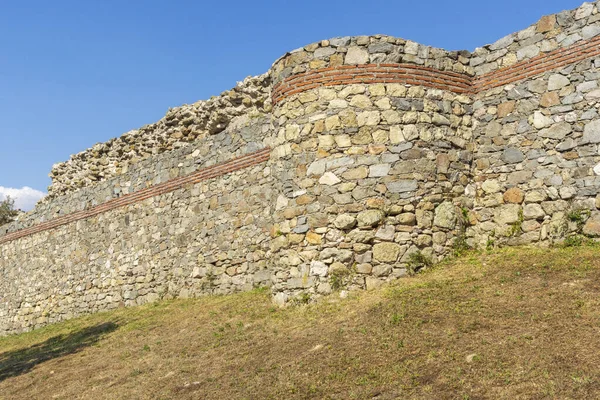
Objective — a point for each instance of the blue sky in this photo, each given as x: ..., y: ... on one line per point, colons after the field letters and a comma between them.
x: 74, y: 73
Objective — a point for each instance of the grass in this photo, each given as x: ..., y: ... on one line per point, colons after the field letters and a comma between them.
x: 508, y: 324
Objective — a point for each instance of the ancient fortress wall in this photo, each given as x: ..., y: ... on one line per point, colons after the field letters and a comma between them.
x: 537, y: 131
x: 348, y: 163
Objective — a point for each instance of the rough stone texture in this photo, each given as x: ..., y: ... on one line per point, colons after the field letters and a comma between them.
x: 386, y: 252
x: 370, y: 218
x: 360, y: 176
x: 592, y: 226
x: 514, y: 195
x: 445, y: 215
x: 550, y: 33
x: 181, y: 127
x: 553, y: 129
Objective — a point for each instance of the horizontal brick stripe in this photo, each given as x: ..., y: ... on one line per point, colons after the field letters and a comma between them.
x: 204, y: 174
x: 372, y: 73
x: 545, y: 62
x: 410, y: 74
x: 407, y: 74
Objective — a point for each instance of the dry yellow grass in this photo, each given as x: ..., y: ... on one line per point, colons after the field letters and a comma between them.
x: 512, y: 324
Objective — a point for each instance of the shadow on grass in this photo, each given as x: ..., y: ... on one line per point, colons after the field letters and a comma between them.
x: 17, y: 362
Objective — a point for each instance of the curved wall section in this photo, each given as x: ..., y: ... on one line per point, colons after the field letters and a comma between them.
x: 405, y: 74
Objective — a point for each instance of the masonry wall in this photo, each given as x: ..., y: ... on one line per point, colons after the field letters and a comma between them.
x: 334, y: 170
x: 378, y: 155
x: 537, y: 131
x: 182, y: 126
x: 185, y: 235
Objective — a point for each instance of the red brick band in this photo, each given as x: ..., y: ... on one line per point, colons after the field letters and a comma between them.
x: 372, y: 73
x: 204, y: 174
x: 410, y: 74
x: 537, y: 65
x: 345, y: 75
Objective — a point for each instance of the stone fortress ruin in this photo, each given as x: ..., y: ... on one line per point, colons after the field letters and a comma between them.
x: 345, y: 165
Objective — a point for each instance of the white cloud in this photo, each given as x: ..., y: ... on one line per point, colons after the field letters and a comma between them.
x: 25, y: 198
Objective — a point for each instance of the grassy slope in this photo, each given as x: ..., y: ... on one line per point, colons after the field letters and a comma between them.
x: 513, y: 324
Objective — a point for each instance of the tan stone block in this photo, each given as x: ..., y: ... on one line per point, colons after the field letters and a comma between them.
x: 313, y: 238
x: 292, y: 132
x: 396, y: 135
x: 319, y: 126
x: 571, y: 155
x: 546, y: 24
x: 383, y: 104
x: 326, y: 94
x: 290, y: 213
x: 304, y: 199
x: 348, y: 118
x: 509, y: 59
x: 380, y: 136
x: 361, y: 101
x: 332, y: 122
x: 392, y: 117
x: 506, y: 108
x: 381, y: 188
x: 362, y: 137
x: 416, y: 92
x: 322, y: 153
x: 364, y: 268
x: 316, y: 64
x: 482, y: 163
x: 275, y: 230
x: 343, y: 140
x: 410, y: 117
x: 356, y: 173
x: 443, y: 163
x: 396, y: 89
x: 491, y: 186
x: 338, y: 104
x: 514, y: 195
x: 295, y: 238
x: 357, y: 55
x: 346, y: 187
x: 377, y: 148
x: 336, y: 60
x: 549, y: 99
x: 307, y: 97
x: 499, y: 141
x: 326, y: 141
x: 376, y: 203
x: 592, y: 226
x: 350, y: 90
x: 311, y: 47
x: 387, y: 252
x: 279, y: 243
x: 377, y: 89
x: 356, y: 150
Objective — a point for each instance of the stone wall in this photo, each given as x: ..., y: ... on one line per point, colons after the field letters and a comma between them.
x: 374, y: 156
x: 537, y: 131
x: 192, y: 231
x: 180, y: 127
x: 352, y: 162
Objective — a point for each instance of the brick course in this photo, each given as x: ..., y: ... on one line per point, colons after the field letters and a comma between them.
x: 344, y: 75
x: 204, y: 174
x: 410, y: 74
